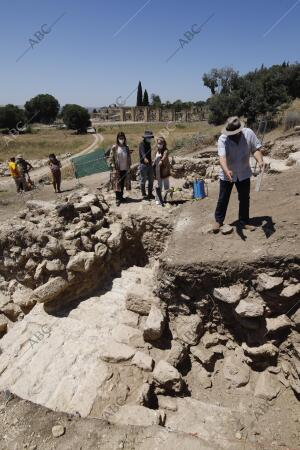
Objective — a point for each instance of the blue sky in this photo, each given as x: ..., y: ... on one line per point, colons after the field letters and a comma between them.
x: 91, y: 57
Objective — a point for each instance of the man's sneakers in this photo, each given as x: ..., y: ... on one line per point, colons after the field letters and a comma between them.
x: 217, y: 227
x: 245, y: 226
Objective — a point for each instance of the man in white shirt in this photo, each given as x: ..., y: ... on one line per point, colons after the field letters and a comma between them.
x: 235, y: 145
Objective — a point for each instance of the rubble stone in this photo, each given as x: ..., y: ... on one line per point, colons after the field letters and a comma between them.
x: 143, y: 361
x: 231, y: 295
x: 250, y: 307
x: 267, y: 386
x: 135, y: 415
x: 154, y: 326
x: 236, y: 371
x: 266, y: 282
x: 115, y: 352
x: 279, y: 323
x: 51, y: 290
x: 167, y: 376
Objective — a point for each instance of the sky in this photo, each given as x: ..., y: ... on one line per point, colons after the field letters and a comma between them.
x: 94, y: 53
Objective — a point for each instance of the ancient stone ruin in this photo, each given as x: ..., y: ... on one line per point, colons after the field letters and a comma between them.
x: 101, y: 318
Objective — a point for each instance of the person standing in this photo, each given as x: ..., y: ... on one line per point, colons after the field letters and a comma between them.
x: 55, y: 166
x: 162, y: 170
x: 120, y: 163
x: 15, y: 174
x: 146, y: 170
x: 24, y: 167
x: 235, y: 146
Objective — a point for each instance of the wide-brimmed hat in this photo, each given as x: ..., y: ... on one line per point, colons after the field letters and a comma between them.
x: 148, y: 134
x: 19, y: 157
x: 233, y: 125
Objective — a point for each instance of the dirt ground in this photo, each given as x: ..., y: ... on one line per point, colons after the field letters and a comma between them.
x: 276, y: 212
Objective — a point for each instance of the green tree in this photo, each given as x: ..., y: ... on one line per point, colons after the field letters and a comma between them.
x: 76, y: 117
x: 146, y: 98
x: 139, y: 96
x: 222, y: 106
x: 43, y: 108
x: 11, y: 117
x: 155, y: 100
x: 222, y: 80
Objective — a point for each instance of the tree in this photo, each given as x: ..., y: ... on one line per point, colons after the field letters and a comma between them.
x: 139, y: 97
x: 155, y: 100
x: 222, y: 106
x: 146, y: 98
x: 222, y: 80
x: 76, y: 117
x: 43, y: 108
x: 11, y: 117
x: 210, y: 80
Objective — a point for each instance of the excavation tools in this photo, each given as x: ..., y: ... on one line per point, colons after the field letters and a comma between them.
x: 259, y: 179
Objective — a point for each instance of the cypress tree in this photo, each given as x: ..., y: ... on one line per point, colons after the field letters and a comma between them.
x: 139, y: 97
x: 146, y: 98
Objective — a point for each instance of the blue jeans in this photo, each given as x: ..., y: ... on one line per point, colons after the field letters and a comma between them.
x: 146, y: 173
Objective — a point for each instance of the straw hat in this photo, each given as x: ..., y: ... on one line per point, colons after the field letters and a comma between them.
x: 233, y: 126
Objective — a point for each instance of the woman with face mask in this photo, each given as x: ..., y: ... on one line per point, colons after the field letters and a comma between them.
x: 120, y: 162
x: 162, y: 170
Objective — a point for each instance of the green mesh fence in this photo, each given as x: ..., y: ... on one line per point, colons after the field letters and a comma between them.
x: 90, y: 163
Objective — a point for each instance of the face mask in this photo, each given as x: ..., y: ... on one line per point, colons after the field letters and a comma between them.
x: 121, y: 141
x: 160, y: 146
x: 148, y: 140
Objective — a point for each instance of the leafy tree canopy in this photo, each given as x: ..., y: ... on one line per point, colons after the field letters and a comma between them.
x: 76, y: 117
x: 43, y: 108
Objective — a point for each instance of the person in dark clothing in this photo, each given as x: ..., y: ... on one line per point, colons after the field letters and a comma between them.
x: 235, y: 146
x: 24, y: 167
x: 146, y: 170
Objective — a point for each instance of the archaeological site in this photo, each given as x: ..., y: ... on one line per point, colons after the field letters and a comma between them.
x: 138, y: 328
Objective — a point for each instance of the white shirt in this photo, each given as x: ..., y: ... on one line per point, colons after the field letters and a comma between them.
x: 238, y: 155
x: 122, y: 158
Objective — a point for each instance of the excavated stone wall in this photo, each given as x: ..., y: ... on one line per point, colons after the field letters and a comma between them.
x: 54, y: 253
x: 251, y: 309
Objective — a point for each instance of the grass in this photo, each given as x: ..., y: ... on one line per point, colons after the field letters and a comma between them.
x: 41, y: 142
x: 176, y: 135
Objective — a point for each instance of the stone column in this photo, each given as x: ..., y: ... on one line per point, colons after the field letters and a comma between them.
x: 158, y: 114
x: 146, y: 114
x: 184, y: 116
x: 122, y: 115
x: 133, y: 114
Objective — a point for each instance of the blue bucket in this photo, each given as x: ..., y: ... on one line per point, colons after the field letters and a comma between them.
x: 199, y: 189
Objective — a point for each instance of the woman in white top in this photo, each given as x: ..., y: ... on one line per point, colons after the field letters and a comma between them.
x: 120, y: 162
x: 162, y: 170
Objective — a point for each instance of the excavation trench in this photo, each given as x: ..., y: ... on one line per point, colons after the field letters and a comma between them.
x: 145, y: 334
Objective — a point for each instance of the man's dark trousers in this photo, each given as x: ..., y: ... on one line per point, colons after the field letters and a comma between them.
x: 243, y: 188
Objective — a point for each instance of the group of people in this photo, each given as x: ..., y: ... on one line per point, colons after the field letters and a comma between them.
x: 235, y: 146
x: 151, y: 169
x: 19, y: 170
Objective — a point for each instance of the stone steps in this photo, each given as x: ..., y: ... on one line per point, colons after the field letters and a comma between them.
x: 55, y: 361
